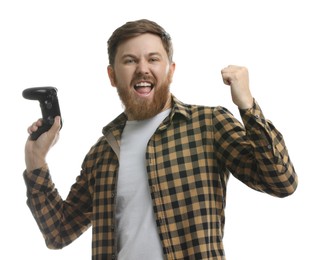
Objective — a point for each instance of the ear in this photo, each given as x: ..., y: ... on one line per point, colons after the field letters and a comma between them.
x: 171, y: 71
x: 111, y: 75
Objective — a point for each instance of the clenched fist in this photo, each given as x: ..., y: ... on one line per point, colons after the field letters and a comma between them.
x: 237, y: 78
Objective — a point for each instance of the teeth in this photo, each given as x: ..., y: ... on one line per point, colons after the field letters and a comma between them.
x: 143, y: 84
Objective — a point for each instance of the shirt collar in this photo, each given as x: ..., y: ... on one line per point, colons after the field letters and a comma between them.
x: 181, y: 108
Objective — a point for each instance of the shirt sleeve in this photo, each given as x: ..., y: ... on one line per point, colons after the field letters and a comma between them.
x: 255, y: 153
x: 60, y: 221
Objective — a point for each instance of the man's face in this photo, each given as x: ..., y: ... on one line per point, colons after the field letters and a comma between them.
x: 142, y: 75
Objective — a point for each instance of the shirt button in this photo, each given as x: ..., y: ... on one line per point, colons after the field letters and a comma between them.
x: 257, y: 116
x: 269, y: 146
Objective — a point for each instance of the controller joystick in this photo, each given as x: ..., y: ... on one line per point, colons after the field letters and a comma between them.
x: 47, y: 96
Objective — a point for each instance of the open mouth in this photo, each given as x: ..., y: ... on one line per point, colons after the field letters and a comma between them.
x: 143, y: 88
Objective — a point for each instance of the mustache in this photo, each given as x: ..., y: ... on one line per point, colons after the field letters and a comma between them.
x: 148, y: 78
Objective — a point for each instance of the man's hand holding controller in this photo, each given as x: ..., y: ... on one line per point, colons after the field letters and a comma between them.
x: 44, y: 132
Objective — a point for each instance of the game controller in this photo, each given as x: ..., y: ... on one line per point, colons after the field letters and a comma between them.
x: 47, y: 96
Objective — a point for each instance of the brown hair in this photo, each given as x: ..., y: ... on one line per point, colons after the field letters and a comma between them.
x: 133, y: 29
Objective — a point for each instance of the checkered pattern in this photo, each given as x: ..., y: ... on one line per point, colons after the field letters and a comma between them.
x: 189, y: 159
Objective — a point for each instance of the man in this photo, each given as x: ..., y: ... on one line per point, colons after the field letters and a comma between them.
x: 154, y: 185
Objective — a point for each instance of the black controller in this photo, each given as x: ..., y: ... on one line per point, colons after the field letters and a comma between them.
x: 47, y: 96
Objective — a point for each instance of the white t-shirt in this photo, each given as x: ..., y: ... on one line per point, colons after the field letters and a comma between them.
x: 138, y: 237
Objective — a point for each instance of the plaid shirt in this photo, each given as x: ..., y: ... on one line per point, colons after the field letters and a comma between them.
x: 189, y: 159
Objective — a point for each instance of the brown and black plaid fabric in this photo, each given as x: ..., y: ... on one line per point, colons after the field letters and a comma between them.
x: 189, y: 159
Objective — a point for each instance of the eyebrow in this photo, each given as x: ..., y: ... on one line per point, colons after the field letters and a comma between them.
x: 155, y: 53
x: 134, y: 56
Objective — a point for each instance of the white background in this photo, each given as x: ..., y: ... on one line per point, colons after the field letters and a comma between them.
x: 62, y: 43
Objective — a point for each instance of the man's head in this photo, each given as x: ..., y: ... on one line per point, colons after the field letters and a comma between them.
x: 141, y: 67
x: 136, y: 28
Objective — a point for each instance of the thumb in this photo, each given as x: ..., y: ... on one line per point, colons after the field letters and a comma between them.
x: 57, y: 123
x: 53, y: 133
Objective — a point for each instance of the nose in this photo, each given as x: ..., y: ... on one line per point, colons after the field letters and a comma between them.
x: 142, y: 67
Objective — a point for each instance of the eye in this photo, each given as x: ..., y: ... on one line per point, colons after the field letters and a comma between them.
x: 129, y: 61
x: 154, y: 59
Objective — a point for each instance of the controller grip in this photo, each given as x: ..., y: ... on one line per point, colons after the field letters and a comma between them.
x: 42, y: 129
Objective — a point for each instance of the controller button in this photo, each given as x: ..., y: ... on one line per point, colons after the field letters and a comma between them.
x: 48, y: 105
x: 50, y: 120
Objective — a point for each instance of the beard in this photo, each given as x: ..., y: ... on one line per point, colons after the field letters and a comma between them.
x: 142, y: 108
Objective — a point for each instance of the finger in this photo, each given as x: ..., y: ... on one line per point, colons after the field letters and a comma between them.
x: 56, y: 126
x: 227, y: 81
x: 39, y: 122
x: 54, y: 131
x: 34, y: 127
x: 227, y: 71
x: 226, y: 76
